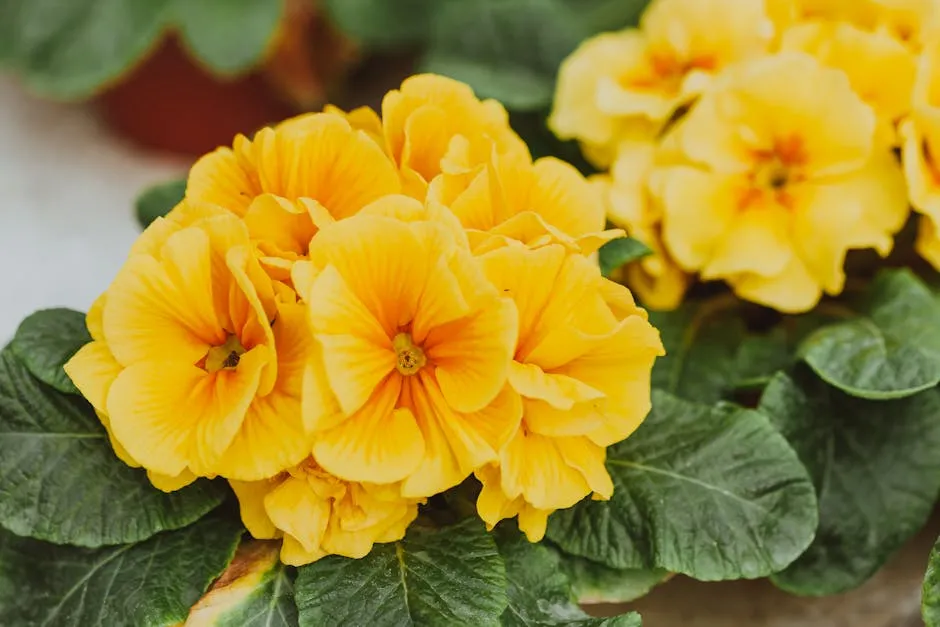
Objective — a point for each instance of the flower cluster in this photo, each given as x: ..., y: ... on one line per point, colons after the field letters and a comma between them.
x: 754, y: 141
x: 349, y: 314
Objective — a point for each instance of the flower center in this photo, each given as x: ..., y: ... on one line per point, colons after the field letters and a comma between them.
x: 774, y: 171
x: 226, y: 356
x: 410, y: 358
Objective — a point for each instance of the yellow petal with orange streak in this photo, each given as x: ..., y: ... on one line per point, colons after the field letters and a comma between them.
x: 219, y: 178
x: 378, y: 444
x: 455, y: 443
x: 169, y: 416
x: 471, y: 356
x: 163, y: 310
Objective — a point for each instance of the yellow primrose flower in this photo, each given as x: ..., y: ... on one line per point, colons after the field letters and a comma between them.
x: 908, y: 20
x: 787, y: 13
x: 656, y: 279
x: 434, y: 124
x: 197, y: 360
x: 880, y: 68
x: 582, y: 365
x: 783, y: 177
x: 536, y: 203
x: 317, y: 514
x: 291, y: 180
x: 414, y: 350
x: 921, y: 150
x: 649, y: 72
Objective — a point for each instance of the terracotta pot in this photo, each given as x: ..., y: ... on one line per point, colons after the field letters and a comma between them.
x: 171, y: 103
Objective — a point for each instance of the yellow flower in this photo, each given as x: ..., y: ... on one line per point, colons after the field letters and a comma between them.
x: 198, y: 358
x: 783, y: 177
x: 909, y: 20
x: 414, y: 349
x: 613, y: 78
x: 786, y: 13
x: 434, y: 124
x: 656, y: 279
x: 582, y: 365
x: 536, y: 203
x: 318, y: 514
x: 879, y: 67
x: 291, y: 180
x: 921, y: 151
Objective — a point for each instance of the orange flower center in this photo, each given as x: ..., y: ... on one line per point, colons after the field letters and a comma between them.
x: 665, y: 71
x: 410, y: 358
x: 775, y: 170
x: 224, y: 357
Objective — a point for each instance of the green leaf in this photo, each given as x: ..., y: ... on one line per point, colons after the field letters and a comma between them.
x: 60, y: 480
x: 505, y: 49
x: 256, y: 590
x: 619, y: 252
x: 157, y: 201
x: 711, y: 492
x: 608, y: 15
x: 149, y: 584
x: 539, y: 591
x: 229, y: 36
x: 593, y: 582
x: 930, y: 607
x: 891, y: 350
x: 46, y: 340
x: 876, y: 471
x: 380, y: 23
x: 450, y: 576
x: 702, y: 339
x: 70, y: 49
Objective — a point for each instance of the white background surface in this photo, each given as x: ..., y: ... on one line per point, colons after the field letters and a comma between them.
x: 67, y: 187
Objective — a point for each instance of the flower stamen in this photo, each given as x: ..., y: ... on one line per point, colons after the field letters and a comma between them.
x: 224, y: 357
x: 410, y: 356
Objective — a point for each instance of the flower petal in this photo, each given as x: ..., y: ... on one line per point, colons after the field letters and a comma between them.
x: 170, y: 416
x: 379, y: 443
x: 251, y: 496
x: 299, y: 512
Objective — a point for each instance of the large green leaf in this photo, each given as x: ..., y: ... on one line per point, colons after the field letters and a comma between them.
x: 505, y: 49
x: 876, y: 471
x: 539, y: 591
x: 619, y: 252
x: 256, y: 590
x: 46, y: 340
x: 713, y: 492
x: 891, y: 350
x: 70, y: 49
x: 450, y: 576
x: 593, y: 582
x: 60, y: 480
x: 228, y: 36
x: 380, y: 23
x: 158, y: 200
x: 930, y: 608
x: 148, y: 584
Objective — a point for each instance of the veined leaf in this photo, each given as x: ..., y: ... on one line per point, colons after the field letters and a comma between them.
x: 876, y: 471
x: 60, y: 480
x: 930, y: 608
x: 46, y: 340
x: 711, y: 492
x: 593, y: 582
x: 539, y: 591
x: 256, y: 590
x: 450, y: 576
x: 157, y: 201
x: 891, y: 350
x: 148, y: 584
